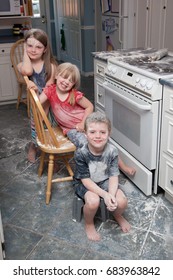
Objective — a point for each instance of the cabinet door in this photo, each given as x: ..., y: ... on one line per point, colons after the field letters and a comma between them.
x: 68, y: 14
x: 167, y: 39
x: 99, y: 93
x: 154, y: 23
x: 166, y: 174
x: 142, y: 21
x: 8, y: 83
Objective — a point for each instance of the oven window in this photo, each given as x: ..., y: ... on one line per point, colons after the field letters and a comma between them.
x: 127, y: 122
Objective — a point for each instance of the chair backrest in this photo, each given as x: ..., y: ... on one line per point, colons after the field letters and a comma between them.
x: 16, y: 55
x: 46, y: 135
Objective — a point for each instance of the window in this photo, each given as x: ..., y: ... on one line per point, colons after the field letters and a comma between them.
x: 36, y: 8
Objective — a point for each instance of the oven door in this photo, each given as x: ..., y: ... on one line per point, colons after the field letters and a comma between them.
x: 134, y: 122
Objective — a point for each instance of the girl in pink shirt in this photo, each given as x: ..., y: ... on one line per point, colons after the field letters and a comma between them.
x: 70, y: 106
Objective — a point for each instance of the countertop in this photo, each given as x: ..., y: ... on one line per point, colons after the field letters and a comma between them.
x: 104, y: 55
x: 167, y: 82
x: 7, y: 36
x: 10, y: 38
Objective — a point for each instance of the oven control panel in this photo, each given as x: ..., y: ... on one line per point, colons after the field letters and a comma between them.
x: 147, y: 84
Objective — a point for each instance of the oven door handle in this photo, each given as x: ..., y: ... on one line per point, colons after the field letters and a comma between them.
x: 143, y: 107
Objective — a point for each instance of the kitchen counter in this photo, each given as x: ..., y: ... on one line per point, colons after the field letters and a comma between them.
x: 140, y: 52
x: 104, y: 55
x: 167, y: 82
x: 7, y: 36
x: 10, y: 39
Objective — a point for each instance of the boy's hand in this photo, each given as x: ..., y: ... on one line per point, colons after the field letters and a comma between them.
x: 110, y: 201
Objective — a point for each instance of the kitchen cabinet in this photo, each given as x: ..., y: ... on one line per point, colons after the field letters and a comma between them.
x: 166, y: 152
x: 8, y: 82
x: 2, y: 251
x: 99, y: 91
x: 154, y: 24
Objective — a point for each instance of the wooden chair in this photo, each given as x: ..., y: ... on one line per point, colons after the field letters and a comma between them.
x: 51, y: 141
x: 16, y: 55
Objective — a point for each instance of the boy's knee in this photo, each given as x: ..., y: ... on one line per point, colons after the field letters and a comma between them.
x: 93, y: 201
x: 122, y: 202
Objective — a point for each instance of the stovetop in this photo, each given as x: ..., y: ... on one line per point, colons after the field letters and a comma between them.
x: 142, y: 69
x: 105, y: 55
x: 160, y: 67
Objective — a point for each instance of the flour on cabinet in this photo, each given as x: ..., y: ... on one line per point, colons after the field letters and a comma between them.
x: 99, y: 91
x: 166, y: 154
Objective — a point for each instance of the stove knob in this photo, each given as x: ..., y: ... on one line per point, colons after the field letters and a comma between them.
x: 114, y: 70
x: 137, y: 80
x: 110, y: 68
x: 143, y: 83
x: 149, y: 85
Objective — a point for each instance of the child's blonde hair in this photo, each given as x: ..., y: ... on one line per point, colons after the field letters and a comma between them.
x: 97, y: 117
x: 65, y: 70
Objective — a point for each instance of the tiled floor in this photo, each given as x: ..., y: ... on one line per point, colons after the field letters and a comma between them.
x: 34, y: 230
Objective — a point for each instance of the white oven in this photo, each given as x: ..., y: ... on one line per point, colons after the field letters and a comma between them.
x: 133, y: 103
x: 134, y: 120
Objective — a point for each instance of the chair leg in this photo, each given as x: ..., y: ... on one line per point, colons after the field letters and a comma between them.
x: 70, y: 171
x: 19, y: 95
x: 49, y: 178
x: 40, y: 169
x: 28, y: 104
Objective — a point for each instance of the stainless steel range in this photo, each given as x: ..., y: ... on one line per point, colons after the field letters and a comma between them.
x: 133, y: 102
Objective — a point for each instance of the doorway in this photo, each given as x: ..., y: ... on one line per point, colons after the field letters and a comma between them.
x: 68, y: 31
x: 44, y: 18
x: 39, y: 15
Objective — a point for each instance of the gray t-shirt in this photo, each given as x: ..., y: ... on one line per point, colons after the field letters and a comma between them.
x: 98, y: 168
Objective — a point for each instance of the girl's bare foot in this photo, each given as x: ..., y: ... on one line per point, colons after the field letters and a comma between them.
x: 91, y: 232
x: 32, y: 153
x: 123, y: 223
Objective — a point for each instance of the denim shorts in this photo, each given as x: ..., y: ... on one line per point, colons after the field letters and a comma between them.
x: 80, y: 189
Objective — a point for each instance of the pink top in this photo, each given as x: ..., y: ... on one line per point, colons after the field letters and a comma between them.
x: 66, y: 115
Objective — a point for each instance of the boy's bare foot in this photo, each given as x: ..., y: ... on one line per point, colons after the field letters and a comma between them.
x: 123, y: 223
x: 91, y: 232
x: 129, y: 170
x: 32, y: 153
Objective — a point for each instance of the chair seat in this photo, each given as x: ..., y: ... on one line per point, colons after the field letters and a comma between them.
x: 65, y: 145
